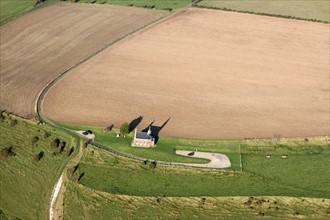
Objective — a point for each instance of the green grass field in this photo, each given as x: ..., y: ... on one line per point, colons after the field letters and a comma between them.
x: 156, y: 4
x: 116, y: 187
x: 300, y: 175
x: 166, y: 147
x: 26, y: 185
x: 304, y: 9
x: 10, y: 9
x: 85, y: 203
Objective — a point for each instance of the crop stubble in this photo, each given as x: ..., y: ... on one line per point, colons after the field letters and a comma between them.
x: 218, y: 74
x: 39, y: 46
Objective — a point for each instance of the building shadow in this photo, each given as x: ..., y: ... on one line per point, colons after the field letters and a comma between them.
x: 155, y: 130
x: 134, y: 123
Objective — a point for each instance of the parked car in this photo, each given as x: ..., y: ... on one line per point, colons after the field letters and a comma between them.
x: 191, y: 153
x: 87, y: 132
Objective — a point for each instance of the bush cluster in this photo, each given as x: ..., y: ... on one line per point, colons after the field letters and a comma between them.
x: 7, y: 152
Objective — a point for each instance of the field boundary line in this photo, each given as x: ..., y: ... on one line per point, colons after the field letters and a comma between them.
x: 260, y: 13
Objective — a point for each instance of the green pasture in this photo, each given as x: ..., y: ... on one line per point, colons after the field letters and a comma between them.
x: 85, y: 203
x: 303, y: 174
x: 303, y: 9
x: 166, y: 147
x: 151, y: 4
x: 26, y: 185
x: 10, y: 9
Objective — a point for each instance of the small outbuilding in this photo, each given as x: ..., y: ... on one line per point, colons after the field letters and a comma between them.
x: 143, y: 139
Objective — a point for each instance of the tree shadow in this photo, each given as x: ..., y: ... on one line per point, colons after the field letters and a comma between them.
x: 41, y: 155
x: 134, y: 123
x: 156, y: 129
x: 81, y: 176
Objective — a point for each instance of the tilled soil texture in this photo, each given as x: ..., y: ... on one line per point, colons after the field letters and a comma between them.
x: 39, y: 46
x: 216, y: 74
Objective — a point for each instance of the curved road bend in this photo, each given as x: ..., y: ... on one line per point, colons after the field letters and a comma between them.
x: 44, y: 91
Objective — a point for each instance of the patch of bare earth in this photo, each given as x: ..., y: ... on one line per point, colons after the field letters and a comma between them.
x: 218, y: 74
x: 39, y: 46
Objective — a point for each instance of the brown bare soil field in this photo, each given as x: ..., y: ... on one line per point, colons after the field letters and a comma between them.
x: 39, y: 46
x: 218, y: 74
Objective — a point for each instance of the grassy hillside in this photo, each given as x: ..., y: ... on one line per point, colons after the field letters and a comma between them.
x: 302, y: 174
x: 307, y: 9
x: 109, y: 175
x: 10, y: 9
x: 151, y: 4
x: 26, y: 184
x: 84, y: 203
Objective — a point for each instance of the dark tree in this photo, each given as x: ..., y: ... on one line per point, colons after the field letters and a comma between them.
x: 55, y: 143
x: 62, y: 146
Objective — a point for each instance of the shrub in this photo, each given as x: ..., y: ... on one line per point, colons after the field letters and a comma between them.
x: 108, y: 129
x: 12, y: 122
x: 70, y: 151
x: 55, y: 143
x: 73, y: 170
x: 46, y: 135
x: 2, y: 117
x: 7, y: 152
x: 38, y: 156
x: 35, y: 139
x: 62, y: 146
x: 124, y: 128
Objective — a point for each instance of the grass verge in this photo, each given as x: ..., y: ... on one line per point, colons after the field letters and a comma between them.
x: 11, y: 9
x: 310, y: 10
x: 168, y: 5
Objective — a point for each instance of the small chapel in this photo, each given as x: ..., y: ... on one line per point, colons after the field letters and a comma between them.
x: 143, y: 139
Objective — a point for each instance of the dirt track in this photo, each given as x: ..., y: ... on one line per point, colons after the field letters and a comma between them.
x: 40, y: 45
x: 218, y: 74
x: 216, y: 160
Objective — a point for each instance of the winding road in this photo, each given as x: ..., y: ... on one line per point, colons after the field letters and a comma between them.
x: 215, y: 160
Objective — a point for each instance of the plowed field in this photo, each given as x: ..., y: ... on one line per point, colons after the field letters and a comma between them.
x: 216, y: 74
x: 39, y: 46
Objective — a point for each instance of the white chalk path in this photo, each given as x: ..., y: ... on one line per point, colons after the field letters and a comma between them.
x: 55, y: 192
x: 216, y: 160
